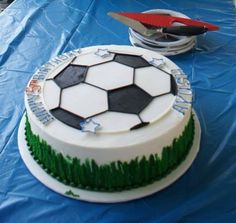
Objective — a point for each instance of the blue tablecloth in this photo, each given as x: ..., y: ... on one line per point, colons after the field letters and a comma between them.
x: 31, y: 32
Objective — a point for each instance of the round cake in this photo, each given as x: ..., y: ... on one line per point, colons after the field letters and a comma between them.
x: 109, y: 118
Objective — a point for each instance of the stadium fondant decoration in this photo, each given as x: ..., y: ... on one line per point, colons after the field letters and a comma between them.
x: 108, y: 119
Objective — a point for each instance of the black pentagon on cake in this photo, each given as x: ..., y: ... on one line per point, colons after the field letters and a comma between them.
x: 71, y: 75
x: 131, y: 60
x: 130, y: 99
x: 173, y: 85
x: 67, y: 117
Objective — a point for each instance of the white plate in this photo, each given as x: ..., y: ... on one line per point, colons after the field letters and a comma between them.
x: 168, y: 44
x: 164, y: 51
x: 105, y: 197
x: 181, y: 45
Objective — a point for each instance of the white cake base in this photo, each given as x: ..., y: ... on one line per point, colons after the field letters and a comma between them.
x: 106, y: 197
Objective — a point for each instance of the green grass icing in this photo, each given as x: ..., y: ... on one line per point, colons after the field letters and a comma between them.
x: 71, y: 193
x: 114, y: 176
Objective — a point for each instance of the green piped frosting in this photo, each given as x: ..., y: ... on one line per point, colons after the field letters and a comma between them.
x: 71, y: 193
x: 114, y: 176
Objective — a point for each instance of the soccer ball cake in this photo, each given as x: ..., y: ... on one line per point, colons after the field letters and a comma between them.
x: 109, y: 118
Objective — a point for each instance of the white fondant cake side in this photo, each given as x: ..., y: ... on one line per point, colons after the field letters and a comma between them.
x: 167, y: 116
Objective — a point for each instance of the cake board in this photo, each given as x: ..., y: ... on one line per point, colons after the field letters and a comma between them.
x: 105, y: 197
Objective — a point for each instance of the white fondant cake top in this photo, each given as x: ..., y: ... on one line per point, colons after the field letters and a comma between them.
x: 118, y: 88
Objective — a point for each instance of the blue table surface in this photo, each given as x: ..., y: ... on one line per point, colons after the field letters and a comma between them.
x: 32, y: 32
